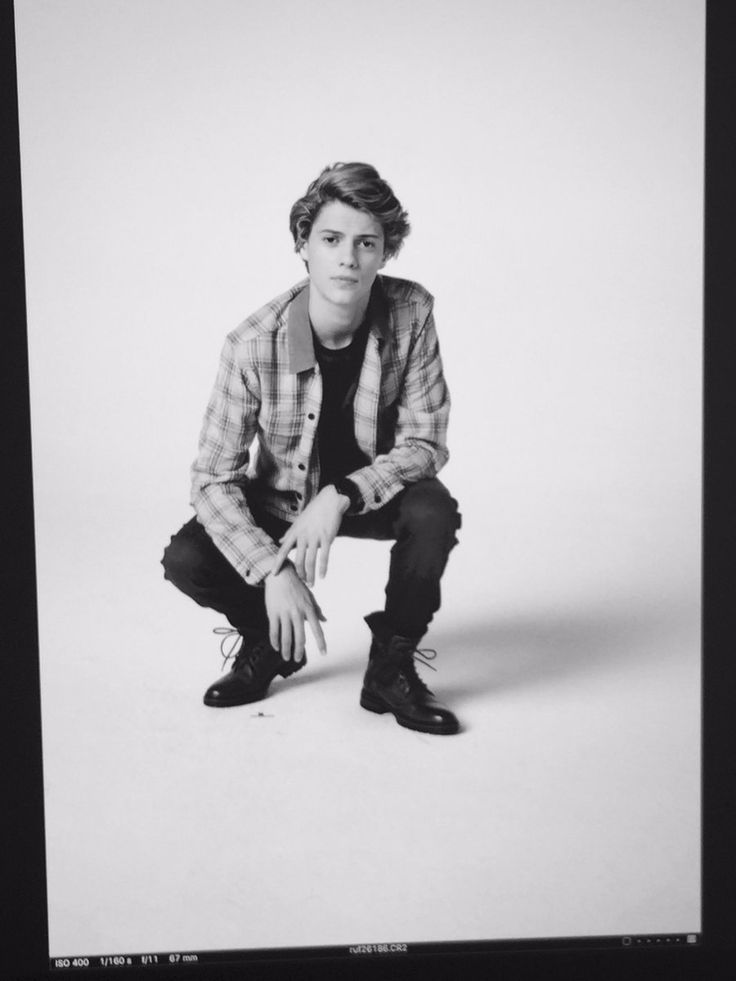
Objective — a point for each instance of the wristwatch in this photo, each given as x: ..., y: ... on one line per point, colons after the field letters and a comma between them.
x: 348, y: 489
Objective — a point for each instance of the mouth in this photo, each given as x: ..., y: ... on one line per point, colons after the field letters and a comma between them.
x: 345, y: 280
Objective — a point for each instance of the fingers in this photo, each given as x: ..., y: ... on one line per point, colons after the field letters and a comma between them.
x: 286, y: 638
x: 323, y: 557
x: 311, y: 561
x: 273, y: 632
x: 313, y: 618
x: 308, y: 548
x: 299, y: 561
x: 289, y: 603
x: 305, y: 559
x: 298, y: 634
x: 287, y: 543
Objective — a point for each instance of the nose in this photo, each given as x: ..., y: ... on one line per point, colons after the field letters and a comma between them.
x: 348, y: 256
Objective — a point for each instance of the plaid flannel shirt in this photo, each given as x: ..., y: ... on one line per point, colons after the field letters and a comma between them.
x: 261, y: 421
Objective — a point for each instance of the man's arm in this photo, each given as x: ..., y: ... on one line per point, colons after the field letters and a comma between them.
x: 219, y: 474
x: 219, y: 477
x: 420, y: 435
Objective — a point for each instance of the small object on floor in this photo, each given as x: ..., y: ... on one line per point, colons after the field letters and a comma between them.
x: 254, y: 667
x: 391, y: 683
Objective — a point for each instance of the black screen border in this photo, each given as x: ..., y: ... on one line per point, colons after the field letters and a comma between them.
x: 24, y: 943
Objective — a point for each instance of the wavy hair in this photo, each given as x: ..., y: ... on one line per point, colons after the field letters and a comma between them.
x: 360, y: 186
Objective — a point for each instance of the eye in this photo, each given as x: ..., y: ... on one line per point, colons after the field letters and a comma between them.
x: 329, y: 239
x: 369, y: 243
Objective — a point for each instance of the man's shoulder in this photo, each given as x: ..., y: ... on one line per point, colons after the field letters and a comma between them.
x: 271, y: 317
x: 406, y: 291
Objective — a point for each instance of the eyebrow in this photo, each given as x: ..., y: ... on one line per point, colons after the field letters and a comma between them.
x: 334, y: 231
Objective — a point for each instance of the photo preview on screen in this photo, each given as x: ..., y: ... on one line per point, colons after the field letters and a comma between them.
x: 385, y: 334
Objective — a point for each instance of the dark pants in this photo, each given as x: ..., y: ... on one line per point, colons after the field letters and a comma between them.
x: 422, y: 520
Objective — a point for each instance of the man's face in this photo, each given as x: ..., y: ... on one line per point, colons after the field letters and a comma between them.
x: 344, y: 251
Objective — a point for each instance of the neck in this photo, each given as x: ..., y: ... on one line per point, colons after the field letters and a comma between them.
x: 334, y: 325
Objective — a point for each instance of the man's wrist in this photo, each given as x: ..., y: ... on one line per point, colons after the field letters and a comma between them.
x: 343, y: 502
x: 285, y: 565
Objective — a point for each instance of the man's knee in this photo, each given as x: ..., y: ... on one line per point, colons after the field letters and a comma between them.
x: 183, y: 558
x: 428, y: 508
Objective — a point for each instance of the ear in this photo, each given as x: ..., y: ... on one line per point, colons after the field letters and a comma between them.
x: 304, y: 252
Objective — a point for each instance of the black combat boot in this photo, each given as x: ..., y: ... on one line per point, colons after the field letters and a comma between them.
x: 391, y: 683
x: 254, y: 667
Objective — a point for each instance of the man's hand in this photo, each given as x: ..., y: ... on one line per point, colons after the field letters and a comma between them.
x: 313, y: 533
x: 288, y: 604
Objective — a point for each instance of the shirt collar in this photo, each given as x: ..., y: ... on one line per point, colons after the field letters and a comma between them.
x: 299, y: 330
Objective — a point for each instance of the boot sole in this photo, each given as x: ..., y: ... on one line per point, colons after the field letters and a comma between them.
x: 373, y: 704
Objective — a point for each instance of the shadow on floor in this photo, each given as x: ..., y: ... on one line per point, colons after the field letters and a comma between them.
x: 529, y: 649
x: 502, y: 652
x: 318, y: 668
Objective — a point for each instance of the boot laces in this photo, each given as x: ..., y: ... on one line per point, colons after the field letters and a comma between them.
x: 233, y: 647
x: 424, y: 655
x: 418, y: 656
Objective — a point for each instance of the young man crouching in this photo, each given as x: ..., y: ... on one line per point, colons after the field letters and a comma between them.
x: 338, y: 382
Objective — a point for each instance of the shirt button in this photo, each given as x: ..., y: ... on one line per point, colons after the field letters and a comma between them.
x: 377, y: 498
x: 297, y: 495
x: 294, y: 507
x: 300, y: 466
x: 310, y: 416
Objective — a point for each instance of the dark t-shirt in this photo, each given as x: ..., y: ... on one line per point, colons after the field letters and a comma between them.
x: 339, y: 454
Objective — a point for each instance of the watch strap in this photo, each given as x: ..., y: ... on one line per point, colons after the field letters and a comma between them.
x: 348, y: 489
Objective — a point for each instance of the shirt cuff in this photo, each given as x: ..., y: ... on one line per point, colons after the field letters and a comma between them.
x: 257, y: 565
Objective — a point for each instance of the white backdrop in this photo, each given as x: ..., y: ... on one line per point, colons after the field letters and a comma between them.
x: 550, y: 157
